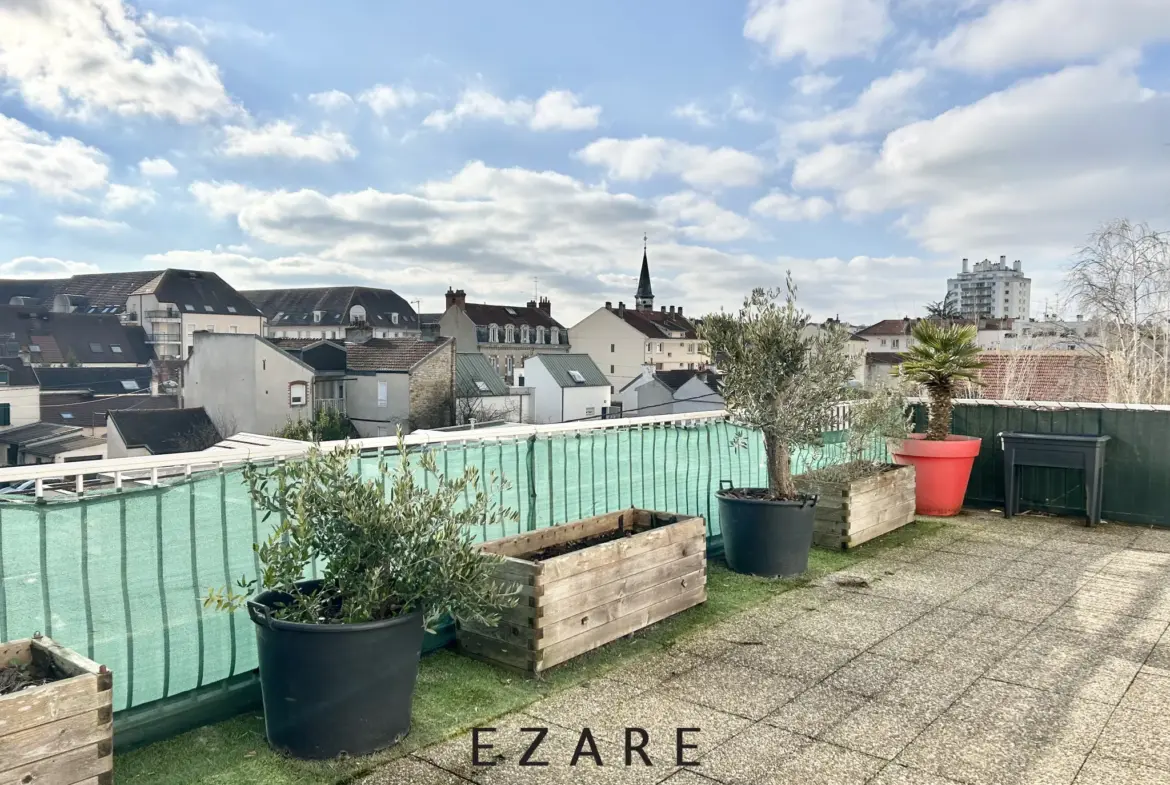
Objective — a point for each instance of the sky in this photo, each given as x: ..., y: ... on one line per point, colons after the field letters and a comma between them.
x: 512, y: 147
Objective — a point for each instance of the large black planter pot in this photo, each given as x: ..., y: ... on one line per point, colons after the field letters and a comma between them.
x: 770, y: 538
x: 333, y: 689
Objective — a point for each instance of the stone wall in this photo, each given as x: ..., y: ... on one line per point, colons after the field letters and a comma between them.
x: 432, y: 390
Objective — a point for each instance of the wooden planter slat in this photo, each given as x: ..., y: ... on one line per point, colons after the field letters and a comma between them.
x: 586, y: 598
x: 849, y: 514
x: 60, y: 732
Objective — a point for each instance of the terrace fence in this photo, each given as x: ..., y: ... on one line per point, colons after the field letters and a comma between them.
x: 113, y: 558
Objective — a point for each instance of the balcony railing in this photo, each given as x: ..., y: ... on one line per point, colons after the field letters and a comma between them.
x: 164, y: 338
x: 163, y: 316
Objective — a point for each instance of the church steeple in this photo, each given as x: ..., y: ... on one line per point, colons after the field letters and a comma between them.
x: 644, y: 297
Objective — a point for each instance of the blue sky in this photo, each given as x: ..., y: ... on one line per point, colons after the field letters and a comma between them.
x: 867, y: 145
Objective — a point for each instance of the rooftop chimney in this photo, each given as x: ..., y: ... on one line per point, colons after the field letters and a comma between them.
x: 662, y: 308
x: 456, y: 297
x: 1003, y: 260
x: 545, y: 305
x: 671, y: 309
x: 530, y: 304
x: 622, y: 310
x: 966, y: 266
x: 1019, y: 267
x: 608, y: 305
x: 679, y: 311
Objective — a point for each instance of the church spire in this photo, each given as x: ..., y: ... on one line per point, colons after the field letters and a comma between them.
x: 644, y: 297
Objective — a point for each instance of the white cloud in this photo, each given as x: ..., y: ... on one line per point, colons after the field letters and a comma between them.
x: 1015, y: 33
x: 60, y: 166
x: 818, y: 30
x: 331, y: 100
x: 123, y: 197
x: 832, y: 166
x: 560, y: 109
x: 384, y: 99
x: 815, y: 83
x: 700, y: 218
x: 89, y: 223
x: 741, y: 109
x: 555, y: 110
x: 280, y: 139
x: 790, y: 207
x: 694, y: 113
x: 82, y: 58
x: 224, y: 199
x: 200, y: 31
x: 1036, y: 166
x: 699, y: 166
x: 886, y: 103
x: 44, y: 267
x: 157, y: 167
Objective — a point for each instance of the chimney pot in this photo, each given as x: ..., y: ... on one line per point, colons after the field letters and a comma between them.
x: 680, y: 310
x: 456, y: 297
x: 1003, y: 259
x: 609, y: 305
x: 546, y: 305
x: 662, y: 308
x: 530, y: 304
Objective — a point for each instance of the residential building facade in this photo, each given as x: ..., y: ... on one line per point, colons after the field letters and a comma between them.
x: 404, y: 382
x: 506, y: 334
x: 482, y: 396
x: 335, y: 313
x: 20, y: 394
x: 622, y: 340
x: 991, y: 290
x: 656, y: 392
x: 566, y: 388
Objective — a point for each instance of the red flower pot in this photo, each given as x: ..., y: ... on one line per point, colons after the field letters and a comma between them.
x: 942, y: 470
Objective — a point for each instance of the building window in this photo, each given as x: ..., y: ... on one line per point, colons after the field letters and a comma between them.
x: 493, y: 333
x: 589, y: 410
x: 96, y: 348
x: 496, y: 362
x: 4, y: 377
x: 211, y: 328
x: 894, y: 343
x: 611, y: 369
x: 883, y: 341
x: 649, y: 346
x: 509, y: 333
x: 661, y: 346
x: 524, y: 333
x: 234, y: 330
x: 690, y: 348
x: 555, y: 335
x: 298, y: 394
x: 511, y: 365
x: 611, y: 348
x: 383, y: 395
x: 394, y: 318
x: 5, y: 414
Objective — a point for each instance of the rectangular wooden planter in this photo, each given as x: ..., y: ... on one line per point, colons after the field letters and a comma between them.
x: 579, y: 601
x: 61, y: 732
x: 849, y: 514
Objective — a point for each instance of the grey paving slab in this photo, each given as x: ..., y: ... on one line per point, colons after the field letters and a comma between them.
x: 1159, y: 656
x: 1149, y: 693
x: 1051, y: 662
x: 859, y: 623
x: 816, y: 710
x: 734, y: 688
x: 575, y: 706
x: 825, y: 763
x: 753, y: 756
x: 867, y: 674
x: 897, y: 774
x: 930, y: 687
x: 1129, y: 628
x: 881, y: 729
x: 649, y: 670
x: 1153, y: 540
x: 795, y: 657
x: 1100, y: 770
x: 925, y: 634
x: 411, y: 771
x: 1137, y: 737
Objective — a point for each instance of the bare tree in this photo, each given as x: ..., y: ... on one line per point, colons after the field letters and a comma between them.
x: 478, y: 409
x: 198, y: 437
x: 1122, y: 280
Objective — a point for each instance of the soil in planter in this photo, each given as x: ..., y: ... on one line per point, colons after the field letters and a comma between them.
x: 761, y: 494
x: 20, y: 676
x: 619, y: 533
x: 848, y: 472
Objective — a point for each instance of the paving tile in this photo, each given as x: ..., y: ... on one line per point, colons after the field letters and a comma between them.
x: 929, y: 589
x: 867, y: 674
x: 825, y: 763
x: 753, y: 757
x: 575, y: 706
x: 816, y: 710
x: 411, y: 771
x: 1076, y: 668
x: 929, y: 686
x: 1129, y: 628
x: 922, y: 636
x: 1159, y: 656
x: 1099, y: 770
x: 687, y: 777
x: 897, y: 774
x: 1152, y: 540
x: 859, y: 623
x: 797, y: 658
x: 651, y: 669
x: 1149, y: 693
x: 880, y: 729
x: 736, y: 689
x: 1136, y: 737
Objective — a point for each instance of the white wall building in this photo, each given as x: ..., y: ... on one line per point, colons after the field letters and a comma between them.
x: 566, y: 388
x: 992, y: 289
x: 657, y: 392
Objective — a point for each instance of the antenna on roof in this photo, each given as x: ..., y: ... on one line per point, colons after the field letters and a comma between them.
x: 535, y: 288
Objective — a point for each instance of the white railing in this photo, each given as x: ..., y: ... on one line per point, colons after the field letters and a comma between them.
x: 145, y: 471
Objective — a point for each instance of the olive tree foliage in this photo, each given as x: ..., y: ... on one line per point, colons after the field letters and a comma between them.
x: 1121, y: 279
x: 386, y: 545
x: 777, y: 378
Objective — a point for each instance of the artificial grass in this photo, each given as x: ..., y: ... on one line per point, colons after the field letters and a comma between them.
x: 455, y: 693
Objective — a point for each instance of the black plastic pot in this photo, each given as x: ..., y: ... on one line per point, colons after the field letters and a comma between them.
x: 769, y: 538
x: 333, y: 689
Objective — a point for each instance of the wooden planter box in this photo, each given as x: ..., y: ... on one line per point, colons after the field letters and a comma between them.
x: 581, y: 600
x: 61, y: 732
x: 849, y: 514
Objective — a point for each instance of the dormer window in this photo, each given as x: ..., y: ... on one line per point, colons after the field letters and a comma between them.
x: 509, y: 334
x: 540, y: 335
x: 524, y: 334
x: 394, y: 318
x: 493, y: 333
x: 555, y: 334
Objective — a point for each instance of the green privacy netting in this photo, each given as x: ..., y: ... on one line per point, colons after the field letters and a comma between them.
x: 121, y: 577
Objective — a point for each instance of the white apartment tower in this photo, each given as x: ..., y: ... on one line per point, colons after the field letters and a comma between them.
x: 993, y: 290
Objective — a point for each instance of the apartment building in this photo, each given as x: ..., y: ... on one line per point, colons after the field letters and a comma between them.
x: 991, y: 290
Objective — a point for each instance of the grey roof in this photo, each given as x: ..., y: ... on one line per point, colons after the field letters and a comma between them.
x: 58, y: 446
x: 472, y: 367
x: 91, y: 412
x: 165, y: 431
x: 34, y: 432
x: 644, y: 290
x: 390, y: 354
x: 559, y: 366
x: 73, y: 337
x: 196, y: 291
x: 111, y: 380
x: 297, y: 307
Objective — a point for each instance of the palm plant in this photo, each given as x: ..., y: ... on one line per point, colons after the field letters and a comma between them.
x: 941, y: 357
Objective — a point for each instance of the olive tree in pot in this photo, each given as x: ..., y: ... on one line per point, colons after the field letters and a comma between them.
x: 395, y: 551
x: 940, y: 359
x: 780, y: 378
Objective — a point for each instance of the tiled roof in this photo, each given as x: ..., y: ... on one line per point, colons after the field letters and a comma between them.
x: 196, y: 291
x: 472, y: 367
x: 296, y: 307
x: 93, y: 412
x: 676, y: 379
x: 75, y: 337
x: 96, y: 290
x: 484, y: 315
x: 390, y: 354
x: 889, y: 327
x: 58, y: 446
x: 164, y: 431
x: 1044, y: 376
x: 658, y: 324
x: 33, y: 432
x: 560, y: 365
x: 99, y: 381
x: 883, y: 358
